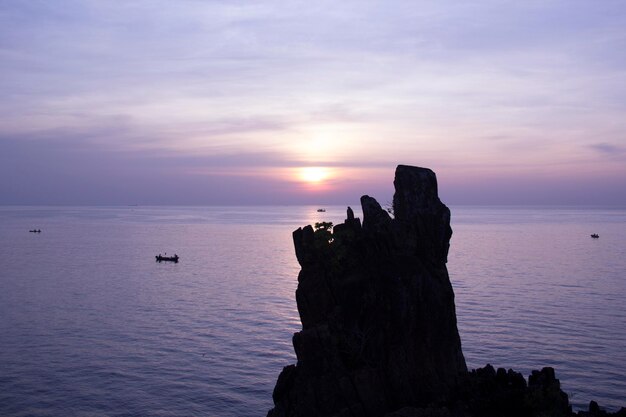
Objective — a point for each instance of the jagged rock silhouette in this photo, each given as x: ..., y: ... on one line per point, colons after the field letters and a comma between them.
x: 379, y: 334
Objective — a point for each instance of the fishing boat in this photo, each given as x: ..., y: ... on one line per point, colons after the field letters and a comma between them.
x: 161, y: 258
x: 321, y: 210
x: 595, y: 235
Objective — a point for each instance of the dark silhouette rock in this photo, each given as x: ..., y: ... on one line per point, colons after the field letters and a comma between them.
x: 596, y: 411
x: 486, y: 392
x: 377, y: 309
x: 379, y: 334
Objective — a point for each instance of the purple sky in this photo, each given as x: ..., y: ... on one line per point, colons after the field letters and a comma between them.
x: 201, y: 102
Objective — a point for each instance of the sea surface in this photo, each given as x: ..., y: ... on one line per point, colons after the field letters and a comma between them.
x: 91, y: 325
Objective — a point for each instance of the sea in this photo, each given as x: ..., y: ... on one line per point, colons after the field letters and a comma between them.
x: 91, y: 325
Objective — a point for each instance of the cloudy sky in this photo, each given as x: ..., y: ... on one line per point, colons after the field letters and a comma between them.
x: 271, y: 102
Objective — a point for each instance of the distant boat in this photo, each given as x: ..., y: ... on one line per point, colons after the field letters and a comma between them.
x: 160, y: 258
x: 595, y: 236
x: 321, y: 210
x: 35, y: 231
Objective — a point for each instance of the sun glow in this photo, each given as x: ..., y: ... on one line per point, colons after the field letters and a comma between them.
x: 314, y: 175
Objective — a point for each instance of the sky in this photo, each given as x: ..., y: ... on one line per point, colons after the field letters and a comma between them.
x: 186, y: 102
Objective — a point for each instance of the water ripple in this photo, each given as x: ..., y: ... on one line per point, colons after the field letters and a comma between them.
x: 90, y: 325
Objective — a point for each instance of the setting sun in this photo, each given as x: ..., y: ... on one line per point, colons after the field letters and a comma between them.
x: 314, y: 175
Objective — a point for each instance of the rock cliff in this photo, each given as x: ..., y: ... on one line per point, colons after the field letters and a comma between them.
x: 379, y: 334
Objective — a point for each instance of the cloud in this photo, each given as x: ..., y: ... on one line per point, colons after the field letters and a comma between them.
x: 72, y: 171
x: 158, y: 90
x: 608, y: 149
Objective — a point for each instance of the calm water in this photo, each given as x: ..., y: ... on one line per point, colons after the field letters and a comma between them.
x: 91, y: 325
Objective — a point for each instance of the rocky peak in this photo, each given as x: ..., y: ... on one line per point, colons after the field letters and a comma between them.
x: 423, y: 219
x: 379, y: 334
x: 378, y: 320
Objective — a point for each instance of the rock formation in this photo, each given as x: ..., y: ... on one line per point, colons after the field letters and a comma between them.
x: 379, y: 334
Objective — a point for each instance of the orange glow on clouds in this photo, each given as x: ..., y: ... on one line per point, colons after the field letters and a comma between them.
x: 314, y: 175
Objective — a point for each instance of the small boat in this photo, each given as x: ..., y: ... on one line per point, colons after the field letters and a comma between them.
x: 160, y: 258
x: 35, y: 231
x: 321, y: 210
x: 595, y: 235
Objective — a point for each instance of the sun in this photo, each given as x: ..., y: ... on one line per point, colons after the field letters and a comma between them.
x: 314, y: 175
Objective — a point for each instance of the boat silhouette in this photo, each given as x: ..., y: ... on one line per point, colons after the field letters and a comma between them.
x: 161, y: 258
